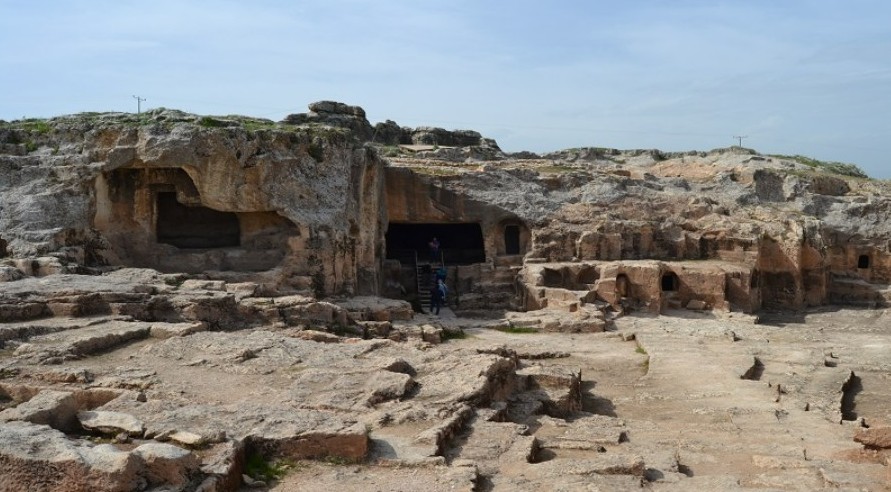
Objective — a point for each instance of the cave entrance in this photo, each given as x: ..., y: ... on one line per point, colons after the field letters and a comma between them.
x: 553, y: 278
x: 588, y: 276
x: 3, y: 244
x: 461, y: 244
x: 669, y: 282
x: 194, y: 227
x: 863, y: 261
x: 512, y: 240
x: 622, y: 284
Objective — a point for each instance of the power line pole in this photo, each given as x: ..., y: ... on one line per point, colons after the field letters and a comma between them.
x: 138, y: 103
x: 740, y: 139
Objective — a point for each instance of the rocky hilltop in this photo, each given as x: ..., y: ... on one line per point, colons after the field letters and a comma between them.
x: 202, y: 302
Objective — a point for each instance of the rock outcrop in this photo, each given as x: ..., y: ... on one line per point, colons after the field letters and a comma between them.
x: 195, y: 302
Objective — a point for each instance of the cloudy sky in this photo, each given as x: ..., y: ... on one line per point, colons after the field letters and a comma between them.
x: 796, y: 77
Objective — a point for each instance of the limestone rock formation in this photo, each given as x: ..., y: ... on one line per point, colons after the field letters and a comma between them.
x: 186, y: 301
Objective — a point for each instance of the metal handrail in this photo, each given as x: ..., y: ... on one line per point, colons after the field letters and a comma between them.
x: 417, y: 280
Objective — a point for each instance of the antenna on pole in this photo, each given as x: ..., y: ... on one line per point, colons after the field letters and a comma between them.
x: 138, y: 103
x: 740, y: 138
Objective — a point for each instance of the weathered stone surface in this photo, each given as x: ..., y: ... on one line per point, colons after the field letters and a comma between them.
x: 9, y: 273
x: 224, y: 464
x: 193, y: 284
x: 52, y: 348
x: 167, y: 465
x: 377, y: 309
x: 57, y: 409
x: 110, y: 422
x: 874, y: 437
x: 265, y: 233
x: 318, y: 336
x: 189, y: 439
x: 39, y: 458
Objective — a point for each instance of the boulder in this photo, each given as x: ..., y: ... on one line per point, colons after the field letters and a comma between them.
x: 874, y: 437
x: 39, y: 458
x: 334, y: 107
x: 696, y: 305
x: 111, y: 422
x: 56, y: 409
x: 10, y: 273
x: 223, y: 463
x: 167, y: 330
x: 168, y: 465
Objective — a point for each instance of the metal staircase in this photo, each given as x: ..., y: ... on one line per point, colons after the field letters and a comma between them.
x: 424, y: 271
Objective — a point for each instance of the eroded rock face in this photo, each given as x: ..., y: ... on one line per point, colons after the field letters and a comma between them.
x: 304, y: 207
x: 186, y: 194
x: 183, y: 289
x: 37, y: 457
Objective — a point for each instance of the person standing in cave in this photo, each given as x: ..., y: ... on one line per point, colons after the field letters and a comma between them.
x: 438, y: 296
x: 435, y: 299
x: 434, y: 249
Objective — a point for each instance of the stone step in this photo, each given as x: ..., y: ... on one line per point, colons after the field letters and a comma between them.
x: 490, y: 444
x: 587, y: 433
x: 392, y: 446
x: 72, y: 344
x: 28, y: 329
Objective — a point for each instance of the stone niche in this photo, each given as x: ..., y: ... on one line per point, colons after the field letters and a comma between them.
x: 859, y: 275
x: 155, y: 218
x: 512, y: 238
x: 642, y: 284
x: 415, y: 200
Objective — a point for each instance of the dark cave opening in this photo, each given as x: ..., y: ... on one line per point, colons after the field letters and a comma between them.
x: 863, y: 261
x: 670, y: 282
x: 194, y: 227
x: 512, y: 240
x: 553, y: 278
x: 461, y: 244
x: 588, y: 276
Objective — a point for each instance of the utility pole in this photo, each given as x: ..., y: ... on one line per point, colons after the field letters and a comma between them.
x: 740, y: 139
x: 138, y: 103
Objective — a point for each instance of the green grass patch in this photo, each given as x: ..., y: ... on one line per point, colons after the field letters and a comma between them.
x: 210, y: 122
x: 640, y: 350
x: 259, y: 468
x: 37, y: 126
x: 394, y: 151
x: 453, y: 334
x: 255, y: 125
x: 833, y: 167
x: 437, y: 171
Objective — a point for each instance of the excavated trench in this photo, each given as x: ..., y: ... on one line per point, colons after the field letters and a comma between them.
x: 852, y: 387
x: 755, y: 372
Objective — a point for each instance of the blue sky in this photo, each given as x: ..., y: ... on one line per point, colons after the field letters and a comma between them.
x: 796, y: 77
